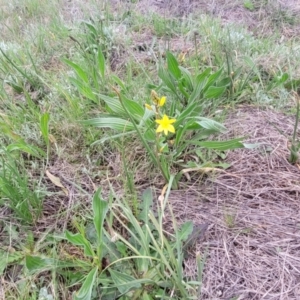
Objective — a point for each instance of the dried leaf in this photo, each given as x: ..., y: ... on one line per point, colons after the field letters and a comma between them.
x: 52, y: 139
x: 56, y: 181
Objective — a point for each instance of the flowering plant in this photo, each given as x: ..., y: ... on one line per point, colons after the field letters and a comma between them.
x: 172, y: 129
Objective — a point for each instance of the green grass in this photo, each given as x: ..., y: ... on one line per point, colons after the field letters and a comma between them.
x: 53, y: 78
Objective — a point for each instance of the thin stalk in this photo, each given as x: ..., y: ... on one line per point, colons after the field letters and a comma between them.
x: 294, y: 148
x: 196, y: 49
x: 149, y: 150
x: 297, y: 120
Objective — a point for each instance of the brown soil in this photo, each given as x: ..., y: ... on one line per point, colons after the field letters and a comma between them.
x: 252, y: 209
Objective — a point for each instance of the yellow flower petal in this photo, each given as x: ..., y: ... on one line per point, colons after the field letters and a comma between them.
x: 162, y: 101
x: 165, y: 125
x: 156, y: 100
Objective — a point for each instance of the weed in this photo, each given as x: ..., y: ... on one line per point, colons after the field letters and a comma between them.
x: 169, y: 144
x: 230, y: 220
x: 249, y: 5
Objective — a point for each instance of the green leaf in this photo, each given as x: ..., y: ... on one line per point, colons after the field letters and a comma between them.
x: 124, y: 282
x: 254, y: 68
x: 17, y: 88
x: 284, y: 77
x: 150, y: 135
x: 226, y: 81
x: 181, y: 131
x: 146, y: 117
x: 135, y: 109
x: 221, y: 146
x: 122, y: 248
x: 117, y: 124
x: 173, y: 65
x: 214, y: 92
x: 147, y: 201
x: 101, y: 63
x: 201, y: 78
x: 7, y: 258
x: 44, y: 125
x: 187, y: 79
x: 211, y: 124
x: 200, y: 82
x: 37, y: 264
x: 188, y: 112
x: 85, y: 292
x: 100, y: 208
x: 91, y: 27
x: 185, y: 230
x: 79, y: 240
x: 212, y: 79
x: 84, y: 89
x: 114, y: 104
x: 79, y: 71
x: 118, y: 81
x: 278, y: 80
x: 167, y: 80
x: 22, y: 146
x: 146, y: 296
x: 182, y: 89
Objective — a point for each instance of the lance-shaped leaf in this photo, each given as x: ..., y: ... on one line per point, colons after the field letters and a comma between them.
x: 79, y: 240
x: 220, y: 145
x: 124, y: 282
x: 85, y: 292
x: 100, y: 208
x: 117, y: 124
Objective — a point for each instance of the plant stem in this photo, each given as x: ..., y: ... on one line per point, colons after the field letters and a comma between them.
x: 297, y: 120
x: 294, y: 148
x: 149, y: 150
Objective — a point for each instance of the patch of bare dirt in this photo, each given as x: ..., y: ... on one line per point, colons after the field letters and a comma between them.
x: 263, y: 18
x: 253, y: 238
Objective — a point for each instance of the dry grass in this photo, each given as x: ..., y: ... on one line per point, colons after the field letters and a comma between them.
x: 263, y: 19
x: 253, y: 240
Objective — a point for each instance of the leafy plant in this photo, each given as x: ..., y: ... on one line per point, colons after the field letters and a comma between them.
x: 125, y: 256
x: 176, y: 141
x: 91, y: 75
x: 86, y: 81
x: 293, y: 142
x: 249, y: 5
x: 277, y: 81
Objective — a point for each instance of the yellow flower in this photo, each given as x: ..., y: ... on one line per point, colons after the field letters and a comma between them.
x: 165, y: 125
x: 162, y: 101
x: 156, y: 100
